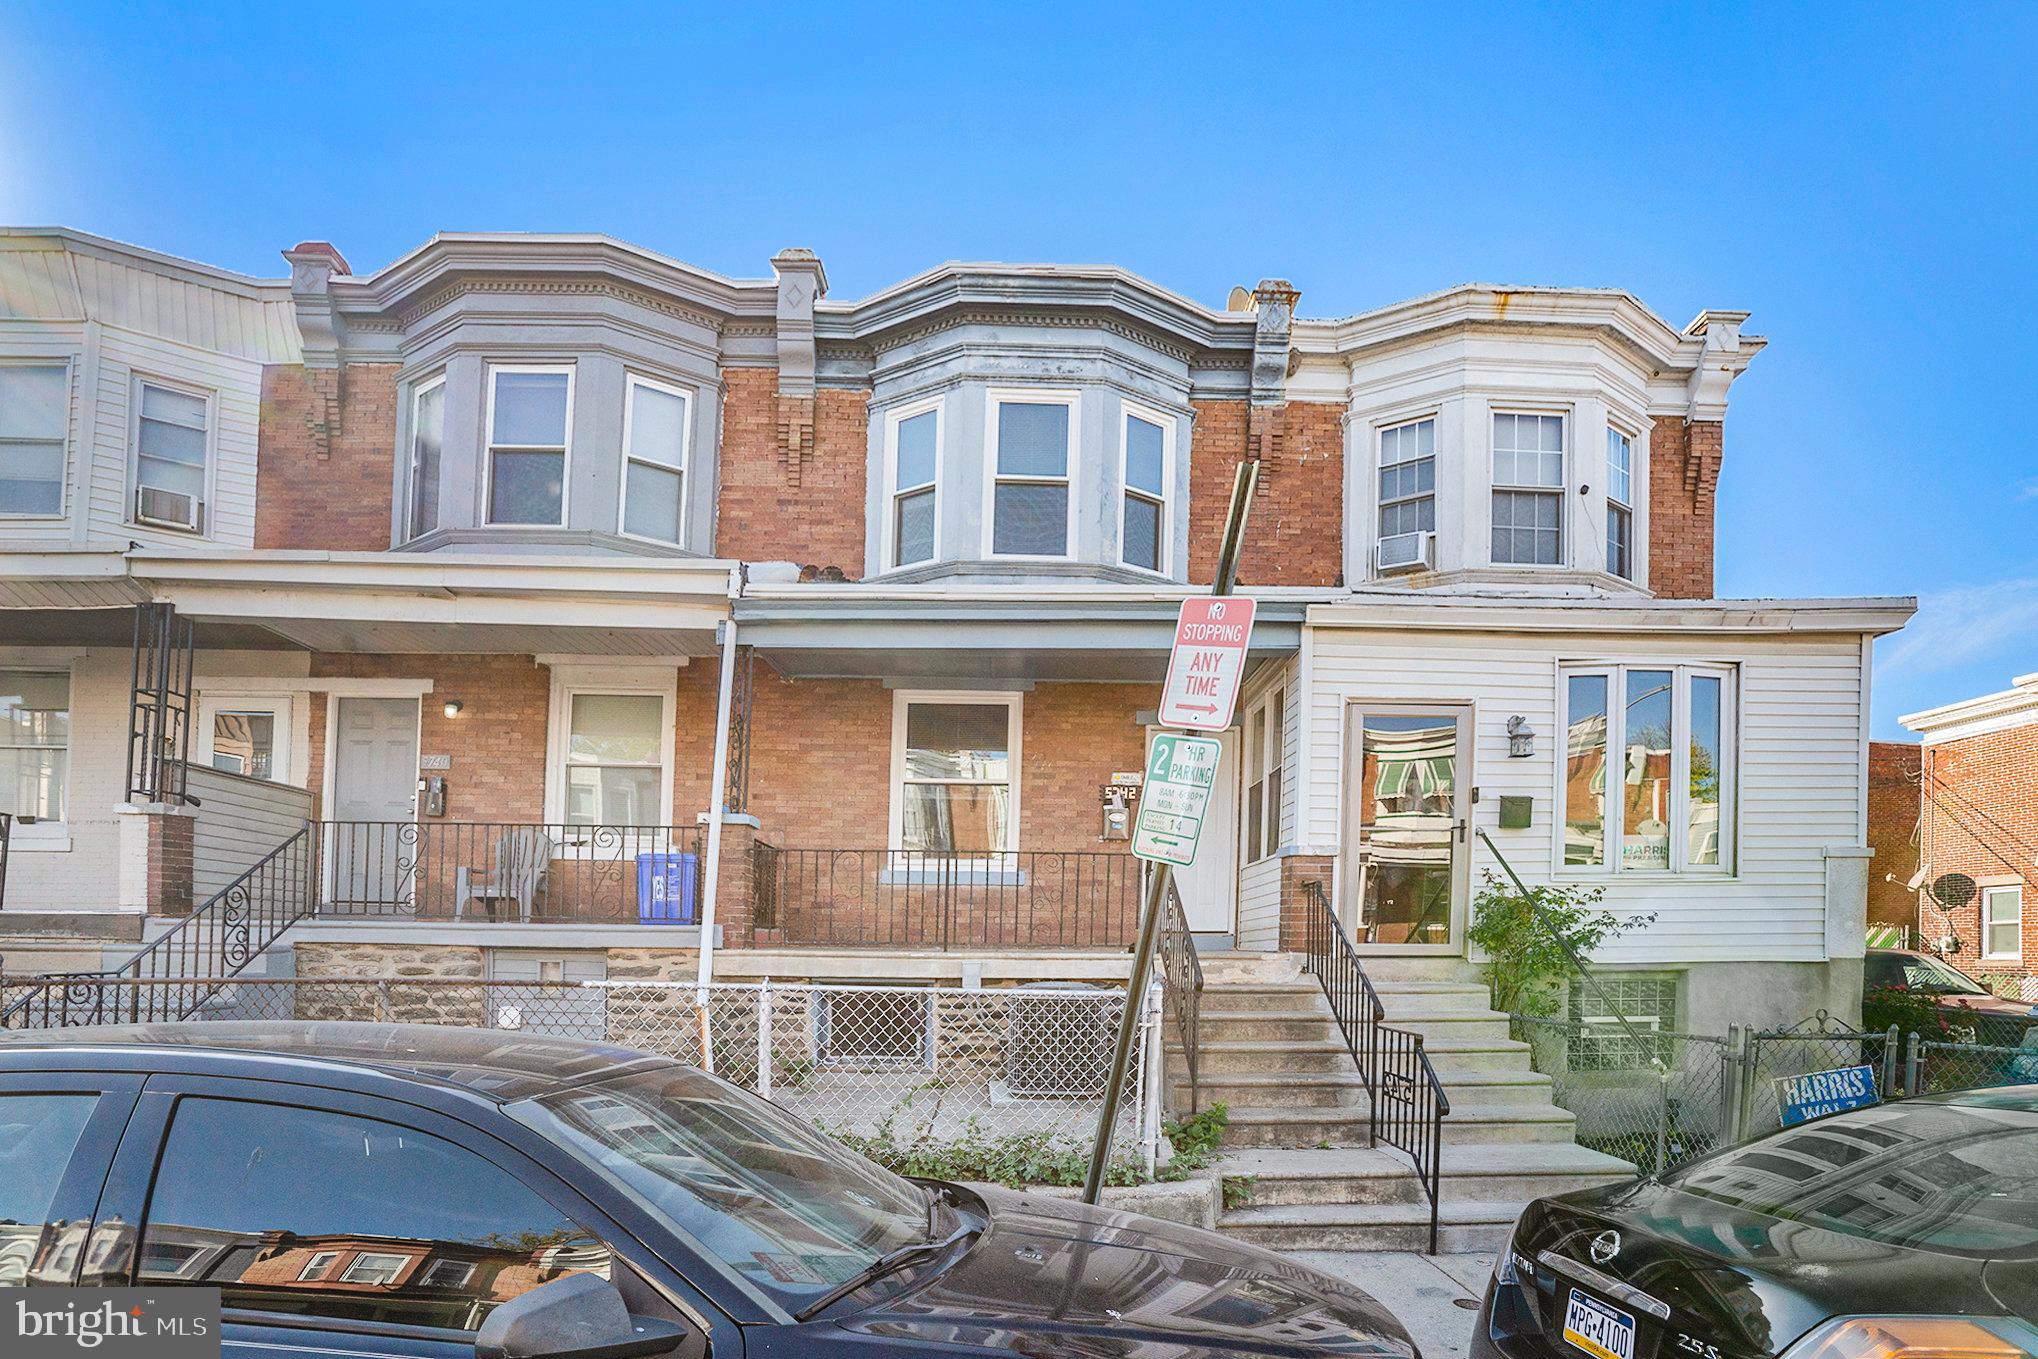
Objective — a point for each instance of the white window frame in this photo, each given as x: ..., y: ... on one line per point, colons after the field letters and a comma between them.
x: 430, y: 1279
x: 1561, y: 492
x: 317, y: 1265
x: 489, y: 447
x: 418, y: 392
x: 1677, y: 814
x: 50, y: 834
x: 1626, y: 507
x: 1270, y: 761
x: 631, y: 381
x: 394, y: 1272
x: 207, y: 515
x: 1013, y: 701
x: 995, y: 398
x: 2014, y: 891
x: 212, y: 705
x: 63, y: 509
x: 889, y: 531
x: 1381, y: 429
x: 661, y: 681
x: 1128, y: 412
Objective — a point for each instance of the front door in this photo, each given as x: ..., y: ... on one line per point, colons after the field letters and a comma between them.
x: 1407, y: 803
x: 1209, y: 886
x: 372, y: 852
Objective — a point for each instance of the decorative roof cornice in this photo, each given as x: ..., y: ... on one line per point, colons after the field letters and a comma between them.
x: 2013, y: 707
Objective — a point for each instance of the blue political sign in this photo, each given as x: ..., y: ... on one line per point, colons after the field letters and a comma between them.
x: 1818, y: 1093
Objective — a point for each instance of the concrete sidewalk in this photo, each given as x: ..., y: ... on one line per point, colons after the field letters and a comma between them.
x: 1426, y: 1293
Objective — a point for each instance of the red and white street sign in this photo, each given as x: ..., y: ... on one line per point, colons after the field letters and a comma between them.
x: 1207, y: 663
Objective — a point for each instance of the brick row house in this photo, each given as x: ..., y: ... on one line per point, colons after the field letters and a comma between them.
x: 1975, y: 817
x: 561, y: 586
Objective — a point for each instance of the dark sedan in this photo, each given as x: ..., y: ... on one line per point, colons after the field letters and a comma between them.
x: 1960, y: 1000
x: 396, y: 1191
x: 1905, y: 1230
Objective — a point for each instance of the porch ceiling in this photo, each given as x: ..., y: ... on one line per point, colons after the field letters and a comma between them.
x: 115, y: 627
x: 423, y: 637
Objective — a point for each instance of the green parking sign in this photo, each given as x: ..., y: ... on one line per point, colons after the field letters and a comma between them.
x: 1180, y: 772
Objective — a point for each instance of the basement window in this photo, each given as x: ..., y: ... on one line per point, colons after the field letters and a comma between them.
x: 1648, y: 1002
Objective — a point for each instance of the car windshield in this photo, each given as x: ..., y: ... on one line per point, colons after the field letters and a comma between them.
x: 1922, y: 972
x: 1960, y: 1178
x: 792, y: 1212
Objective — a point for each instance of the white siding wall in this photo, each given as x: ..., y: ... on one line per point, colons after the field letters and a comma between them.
x: 1800, y: 762
x: 1259, y: 905
x: 76, y: 867
x: 1259, y: 884
x: 240, y: 820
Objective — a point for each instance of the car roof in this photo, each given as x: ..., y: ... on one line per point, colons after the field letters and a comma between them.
x: 500, y: 1065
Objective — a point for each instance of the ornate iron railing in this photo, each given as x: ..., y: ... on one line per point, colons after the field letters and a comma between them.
x: 159, y: 704
x: 1406, y: 1103
x: 188, y: 964
x: 532, y: 872
x: 1182, y: 989
x: 6, y: 838
x: 909, y: 898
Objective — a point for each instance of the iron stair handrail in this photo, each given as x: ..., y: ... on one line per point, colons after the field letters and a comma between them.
x: 1182, y: 973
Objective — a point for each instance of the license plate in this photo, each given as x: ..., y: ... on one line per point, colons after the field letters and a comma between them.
x: 1602, y: 1331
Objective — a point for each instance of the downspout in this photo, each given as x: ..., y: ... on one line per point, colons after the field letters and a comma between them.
x: 718, y: 792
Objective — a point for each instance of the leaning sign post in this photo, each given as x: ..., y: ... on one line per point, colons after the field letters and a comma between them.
x: 1205, y: 667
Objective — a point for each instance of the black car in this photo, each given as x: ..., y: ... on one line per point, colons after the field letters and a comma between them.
x: 397, y: 1190
x: 1906, y: 1229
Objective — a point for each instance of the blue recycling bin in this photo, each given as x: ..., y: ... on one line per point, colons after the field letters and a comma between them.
x: 668, y: 889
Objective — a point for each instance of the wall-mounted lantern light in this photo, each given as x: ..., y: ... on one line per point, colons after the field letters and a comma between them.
x: 1521, y: 738
x: 452, y: 707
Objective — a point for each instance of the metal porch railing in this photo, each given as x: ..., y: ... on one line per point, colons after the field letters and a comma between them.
x: 1406, y: 1103
x: 1182, y: 989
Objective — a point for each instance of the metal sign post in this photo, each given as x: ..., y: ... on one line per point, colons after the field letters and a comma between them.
x: 1242, y: 486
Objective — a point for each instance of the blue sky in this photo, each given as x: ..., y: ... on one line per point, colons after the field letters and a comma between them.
x: 1863, y: 179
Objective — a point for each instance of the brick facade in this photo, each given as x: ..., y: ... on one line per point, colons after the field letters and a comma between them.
x: 1684, y: 473
x: 326, y: 460
x: 793, y: 474
x: 1979, y: 818
x: 1894, y: 770
x: 1295, y: 535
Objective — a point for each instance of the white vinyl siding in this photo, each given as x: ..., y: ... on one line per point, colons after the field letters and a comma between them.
x: 239, y: 820
x: 1801, y: 708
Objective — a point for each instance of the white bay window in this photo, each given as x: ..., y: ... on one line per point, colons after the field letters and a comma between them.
x: 915, y: 461
x: 1647, y: 780
x: 1144, y: 531
x: 654, y: 460
x: 530, y: 416
x: 1620, y: 504
x: 1032, y: 456
x: 1528, y: 489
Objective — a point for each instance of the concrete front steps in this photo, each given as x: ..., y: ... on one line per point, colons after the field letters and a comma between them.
x: 1299, y: 1121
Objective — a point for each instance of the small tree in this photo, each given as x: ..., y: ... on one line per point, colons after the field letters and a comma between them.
x: 1530, y: 939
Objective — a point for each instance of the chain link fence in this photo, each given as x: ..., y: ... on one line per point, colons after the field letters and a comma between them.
x: 908, y: 1066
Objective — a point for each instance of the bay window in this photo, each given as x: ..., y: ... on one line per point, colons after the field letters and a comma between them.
x: 1408, y: 479
x: 1620, y: 504
x: 1143, y: 540
x: 1648, y: 774
x: 1032, y: 459
x: 530, y: 416
x: 34, y: 418
x: 955, y: 773
x: 172, y: 456
x: 915, y: 461
x: 35, y: 743
x: 654, y: 460
x: 1528, y: 489
x: 427, y: 444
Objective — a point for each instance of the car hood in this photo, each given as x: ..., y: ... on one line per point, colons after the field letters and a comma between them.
x: 1093, y: 1282
x: 1985, y: 1005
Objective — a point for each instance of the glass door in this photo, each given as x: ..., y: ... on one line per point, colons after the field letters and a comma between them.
x: 1407, y: 790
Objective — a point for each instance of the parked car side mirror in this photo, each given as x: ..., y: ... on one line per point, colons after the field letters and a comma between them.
x: 577, y: 1317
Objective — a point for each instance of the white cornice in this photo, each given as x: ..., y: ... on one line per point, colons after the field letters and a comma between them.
x: 2000, y: 711
x: 1866, y: 616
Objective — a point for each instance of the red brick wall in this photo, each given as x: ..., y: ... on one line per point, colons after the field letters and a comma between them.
x: 1893, y: 773
x: 792, y: 474
x: 326, y: 457
x: 1684, y: 468
x: 1295, y: 535
x: 1980, y: 818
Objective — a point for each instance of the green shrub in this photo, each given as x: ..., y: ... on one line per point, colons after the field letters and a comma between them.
x: 1030, y: 1158
x: 1525, y: 938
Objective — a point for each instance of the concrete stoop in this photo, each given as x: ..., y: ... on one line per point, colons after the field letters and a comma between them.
x: 1299, y: 1123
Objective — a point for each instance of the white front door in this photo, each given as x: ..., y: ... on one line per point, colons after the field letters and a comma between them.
x: 372, y: 849
x: 1209, y: 886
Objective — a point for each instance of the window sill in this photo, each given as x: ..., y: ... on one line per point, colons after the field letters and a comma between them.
x: 44, y: 837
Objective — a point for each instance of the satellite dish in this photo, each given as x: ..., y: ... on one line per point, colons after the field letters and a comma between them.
x: 1240, y: 300
x: 1953, y: 889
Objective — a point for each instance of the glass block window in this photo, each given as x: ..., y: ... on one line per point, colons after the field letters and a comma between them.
x: 1648, y: 1001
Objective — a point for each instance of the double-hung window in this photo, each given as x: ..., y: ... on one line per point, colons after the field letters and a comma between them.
x: 172, y: 452
x: 654, y: 460
x: 35, y: 743
x: 1032, y: 454
x: 1647, y: 783
x: 2002, y: 922
x: 427, y: 443
x: 956, y: 773
x: 916, y: 469
x: 1149, y: 439
x: 1408, y: 479
x: 1528, y: 489
x: 615, y: 759
x: 1620, y: 504
x: 1265, y: 747
x: 530, y: 416
x: 34, y: 415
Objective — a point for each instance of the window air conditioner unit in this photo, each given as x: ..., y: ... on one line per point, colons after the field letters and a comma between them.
x: 169, y: 509
x: 1058, y: 1040
x: 1406, y: 552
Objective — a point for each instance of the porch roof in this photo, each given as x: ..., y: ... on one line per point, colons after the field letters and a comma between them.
x: 985, y: 633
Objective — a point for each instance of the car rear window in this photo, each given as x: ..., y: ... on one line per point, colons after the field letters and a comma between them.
x: 1959, y: 1177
